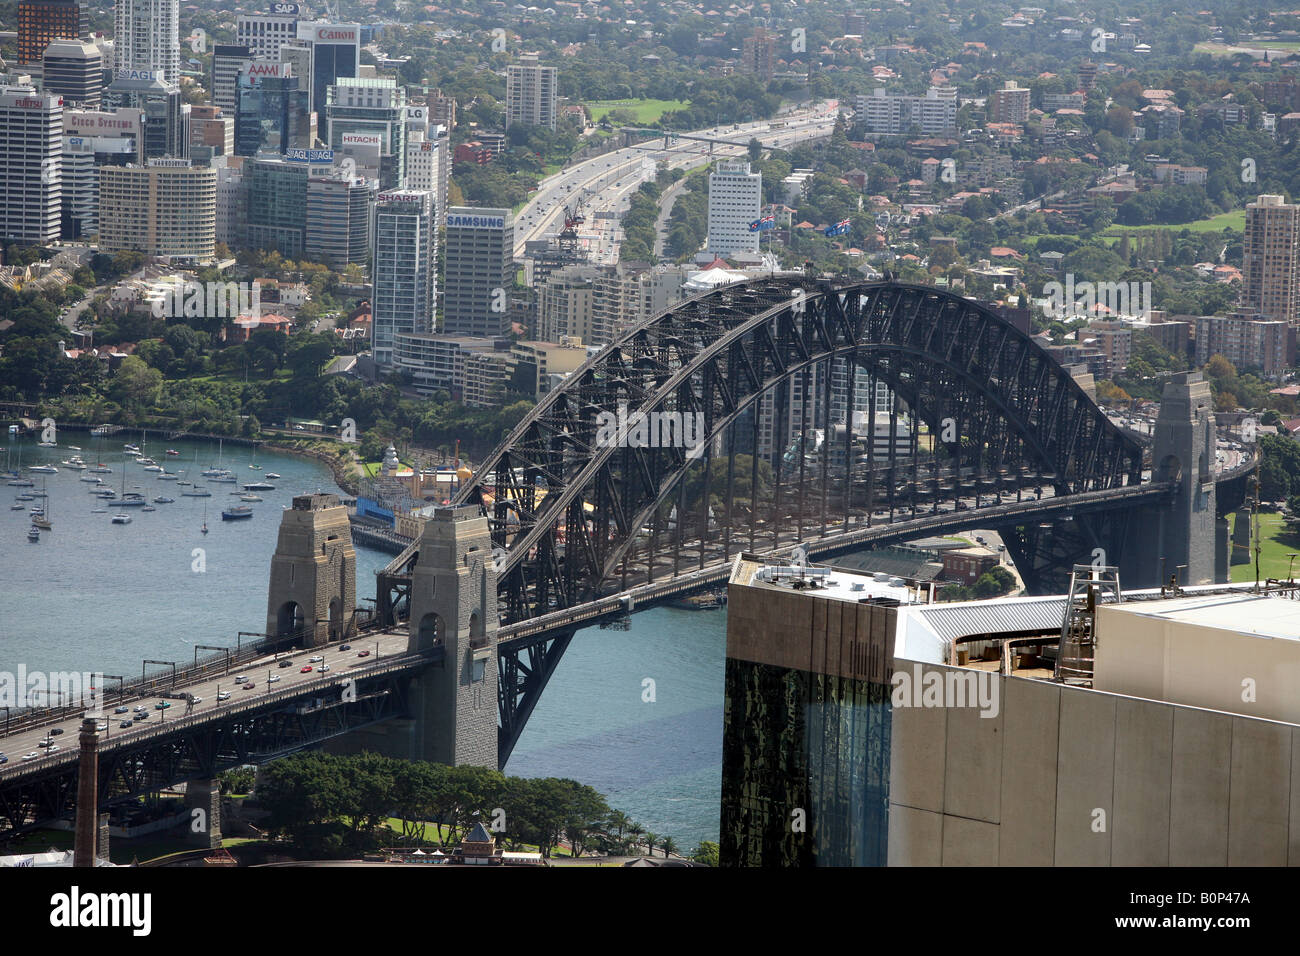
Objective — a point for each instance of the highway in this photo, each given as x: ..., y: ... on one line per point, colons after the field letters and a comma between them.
x: 605, y: 183
x: 262, y: 676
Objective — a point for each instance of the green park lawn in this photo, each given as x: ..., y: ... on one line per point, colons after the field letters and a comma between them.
x: 1227, y: 220
x: 1276, y: 543
x: 646, y: 111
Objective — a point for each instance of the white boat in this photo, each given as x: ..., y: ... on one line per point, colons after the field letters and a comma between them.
x: 16, y: 506
x: 163, y: 500
x: 46, y: 444
x: 130, y: 447
x: 153, y: 468
x: 168, y: 476
x: 272, y: 475
x: 197, y: 493
x: 21, y: 483
x: 250, y: 498
x: 44, y: 469
x: 102, y: 469
x: 33, y: 533
x: 143, y: 460
x: 92, y: 479
x: 121, y: 519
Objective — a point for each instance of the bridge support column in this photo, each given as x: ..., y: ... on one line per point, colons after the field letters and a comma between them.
x: 1222, y: 549
x: 313, y: 587
x: 454, y: 604
x: 203, y: 798
x: 1241, y: 532
x: 1182, y: 535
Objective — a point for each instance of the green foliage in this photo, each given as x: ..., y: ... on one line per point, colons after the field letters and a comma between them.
x: 334, y: 805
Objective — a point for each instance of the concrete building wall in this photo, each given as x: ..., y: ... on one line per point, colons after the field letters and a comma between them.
x: 1067, y: 776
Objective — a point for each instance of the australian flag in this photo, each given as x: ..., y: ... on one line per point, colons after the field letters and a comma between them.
x: 839, y: 228
x: 766, y: 222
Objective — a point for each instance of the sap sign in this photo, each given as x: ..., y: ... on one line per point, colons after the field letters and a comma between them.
x: 285, y: 9
x: 310, y: 155
x: 477, y: 222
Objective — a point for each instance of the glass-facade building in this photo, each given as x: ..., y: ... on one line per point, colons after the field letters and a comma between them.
x: 272, y: 115
x: 807, y: 719
x: 800, y: 741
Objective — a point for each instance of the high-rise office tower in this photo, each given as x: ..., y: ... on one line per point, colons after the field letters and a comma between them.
x: 335, y: 55
x: 147, y: 39
x: 228, y: 61
x: 31, y: 154
x: 167, y: 208
x: 530, y: 93
x: 403, y: 272
x: 479, y: 271
x: 276, y: 196
x: 265, y: 33
x: 1271, y: 259
x: 272, y: 113
x: 427, y: 165
x: 211, y: 129
x: 40, y: 22
x: 371, y: 106
x: 337, y: 230
x: 74, y: 70
x: 735, y: 200
x: 162, y: 108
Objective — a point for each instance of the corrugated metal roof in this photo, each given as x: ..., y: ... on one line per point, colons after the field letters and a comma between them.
x: 955, y: 621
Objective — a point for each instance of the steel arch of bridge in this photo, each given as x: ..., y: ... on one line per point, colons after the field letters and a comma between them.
x: 570, y: 511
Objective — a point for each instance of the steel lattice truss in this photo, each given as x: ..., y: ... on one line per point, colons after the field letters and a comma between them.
x: 581, y: 516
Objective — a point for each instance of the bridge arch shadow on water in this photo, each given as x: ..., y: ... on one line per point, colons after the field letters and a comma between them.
x: 585, y: 503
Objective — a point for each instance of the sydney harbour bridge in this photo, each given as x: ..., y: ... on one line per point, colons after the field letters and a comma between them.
x: 567, y: 524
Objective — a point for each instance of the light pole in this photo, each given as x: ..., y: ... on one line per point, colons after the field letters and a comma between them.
x: 1290, y: 564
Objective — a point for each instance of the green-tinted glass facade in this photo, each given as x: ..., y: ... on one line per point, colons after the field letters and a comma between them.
x: 805, y: 769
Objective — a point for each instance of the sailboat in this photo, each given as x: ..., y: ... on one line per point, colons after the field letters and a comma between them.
x: 204, y: 529
x: 255, y: 466
x: 42, y: 520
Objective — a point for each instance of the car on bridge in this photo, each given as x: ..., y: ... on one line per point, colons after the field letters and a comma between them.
x: 56, y: 731
x: 315, y: 660
x: 322, y: 669
x: 346, y: 647
x: 52, y: 748
x: 248, y: 685
x: 31, y: 756
x: 363, y: 654
x: 286, y: 663
x: 305, y: 669
x: 125, y: 724
x: 122, y: 710
x: 143, y: 715
x: 273, y: 678
x: 241, y: 678
x: 224, y: 695
x: 141, y: 708
x: 3, y: 758
x: 161, y: 705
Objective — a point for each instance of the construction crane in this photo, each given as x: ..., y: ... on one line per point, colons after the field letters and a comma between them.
x: 573, y: 218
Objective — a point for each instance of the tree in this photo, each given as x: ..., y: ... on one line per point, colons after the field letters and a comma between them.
x: 668, y: 845
x: 707, y: 853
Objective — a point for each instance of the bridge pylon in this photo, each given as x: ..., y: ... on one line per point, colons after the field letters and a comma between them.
x: 454, y: 603
x: 313, y: 587
x: 1181, y: 539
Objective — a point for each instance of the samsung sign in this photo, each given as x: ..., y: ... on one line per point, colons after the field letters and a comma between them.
x: 477, y: 222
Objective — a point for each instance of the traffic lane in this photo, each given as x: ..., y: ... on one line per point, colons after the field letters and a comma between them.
x: 15, y: 745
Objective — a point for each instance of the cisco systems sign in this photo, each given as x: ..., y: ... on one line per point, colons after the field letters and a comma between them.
x: 477, y: 222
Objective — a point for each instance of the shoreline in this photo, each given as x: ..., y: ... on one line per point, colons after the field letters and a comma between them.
x: 347, y: 479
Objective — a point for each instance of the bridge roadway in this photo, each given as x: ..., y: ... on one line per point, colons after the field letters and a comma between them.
x: 826, y: 546
x: 386, y: 648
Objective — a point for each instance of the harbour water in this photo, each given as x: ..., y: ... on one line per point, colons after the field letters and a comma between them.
x: 94, y: 596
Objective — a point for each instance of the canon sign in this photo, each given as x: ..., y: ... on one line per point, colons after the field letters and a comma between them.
x: 336, y: 35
